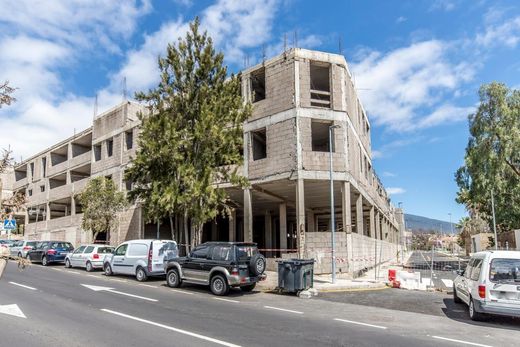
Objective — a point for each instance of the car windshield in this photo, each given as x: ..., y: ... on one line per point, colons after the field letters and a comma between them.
x: 64, y: 245
x: 504, y: 270
x: 31, y: 243
x: 244, y: 252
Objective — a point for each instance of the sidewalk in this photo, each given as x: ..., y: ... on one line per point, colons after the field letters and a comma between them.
x: 371, y: 280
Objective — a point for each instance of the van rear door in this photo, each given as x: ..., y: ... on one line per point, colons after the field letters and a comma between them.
x: 504, y: 282
x: 161, y: 250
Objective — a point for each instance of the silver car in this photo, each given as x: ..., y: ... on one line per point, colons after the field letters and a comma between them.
x: 89, y: 257
x: 21, y: 247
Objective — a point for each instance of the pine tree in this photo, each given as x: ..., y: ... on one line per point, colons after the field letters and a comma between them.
x: 192, y: 137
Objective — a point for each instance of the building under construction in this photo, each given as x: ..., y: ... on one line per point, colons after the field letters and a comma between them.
x: 305, y: 110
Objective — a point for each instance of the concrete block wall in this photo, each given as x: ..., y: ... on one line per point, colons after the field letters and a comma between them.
x: 318, y: 247
x: 281, y: 151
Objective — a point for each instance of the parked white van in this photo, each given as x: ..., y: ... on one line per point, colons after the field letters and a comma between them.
x: 142, y: 258
x: 490, y: 284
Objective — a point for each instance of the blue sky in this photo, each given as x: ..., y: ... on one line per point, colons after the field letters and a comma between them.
x: 418, y: 65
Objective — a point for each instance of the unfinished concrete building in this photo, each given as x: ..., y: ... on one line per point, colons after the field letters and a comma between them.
x: 297, y: 97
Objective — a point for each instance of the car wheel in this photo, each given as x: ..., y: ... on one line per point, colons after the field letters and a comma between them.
x: 88, y: 266
x: 108, y: 270
x: 456, y: 299
x: 173, y: 279
x: 67, y: 264
x: 248, y: 288
x: 141, y: 275
x: 474, y: 315
x: 219, y: 285
x: 257, y: 264
x: 44, y: 261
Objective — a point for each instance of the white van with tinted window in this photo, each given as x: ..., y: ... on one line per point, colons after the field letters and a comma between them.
x: 141, y: 258
x: 490, y: 284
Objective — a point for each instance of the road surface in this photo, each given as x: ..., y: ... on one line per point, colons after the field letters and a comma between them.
x: 54, y: 306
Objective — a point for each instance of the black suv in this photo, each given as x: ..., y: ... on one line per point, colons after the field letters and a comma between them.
x: 220, y: 265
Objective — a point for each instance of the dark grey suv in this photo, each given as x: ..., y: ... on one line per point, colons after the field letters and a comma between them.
x: 220, y: 265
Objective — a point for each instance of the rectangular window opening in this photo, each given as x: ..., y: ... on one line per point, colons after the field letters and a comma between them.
x: 110, y: 147
x: 44, y: 167
x: 97, y: 152
x: 320, y: 136
x: 129, y: 137
x: 42, y: 189
x: 259, y: 139
x: 258, y: 84
x: 320, y: 85
x: 32, y: 171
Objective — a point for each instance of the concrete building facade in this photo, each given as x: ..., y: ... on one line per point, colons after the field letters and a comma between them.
x: 297, y: 97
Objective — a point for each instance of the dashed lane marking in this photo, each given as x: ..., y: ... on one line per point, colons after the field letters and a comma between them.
x: 180, y: 331
x: 460, y: 341
x: 228, y: 300
x: 282, y: 309
x: 181, y: 291
x: 22, y: 285
x: 360, y: 323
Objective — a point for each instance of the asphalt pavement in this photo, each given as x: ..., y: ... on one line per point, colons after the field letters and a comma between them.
x: 54, y: 306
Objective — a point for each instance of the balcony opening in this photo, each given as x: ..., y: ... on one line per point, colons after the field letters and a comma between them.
x: 110, y: 147
x: 82, y: 145
x: 258, y: 84
x: 259, y: 140
x: 97, y: 152
x: 58, y: 181
x: 42, y: 188
x: 79, y: 207
x: 320, y: 85
x: 320, y: 136
x: 37, y: 213
x: 60, y: 208
x: 29, y: 192
x: 80, y: 173
x: 32, y: 170
x: 20, y: 173
x: 59, y: 155
x: 129, y: 139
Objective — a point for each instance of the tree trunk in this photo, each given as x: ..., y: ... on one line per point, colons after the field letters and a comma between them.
x: 172, y: 229
x: 186, y: 232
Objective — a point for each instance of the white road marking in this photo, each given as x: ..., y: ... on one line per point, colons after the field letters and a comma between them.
x: 12, y: 310
x: 185, y: 332
x: 282, y: 309
x: 447, y: 283
x: 460, y: 341
x: 181, y: 291
x: 55, y: 268
x: 111, y: 290
x: 228, y: 300
x: 360, y: 323
x: 93, y: 276
x: 23, y: 286
x: 148, y: 285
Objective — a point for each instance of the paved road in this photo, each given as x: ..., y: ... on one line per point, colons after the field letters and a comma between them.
x: 444, y: 265
x: 61, y: 311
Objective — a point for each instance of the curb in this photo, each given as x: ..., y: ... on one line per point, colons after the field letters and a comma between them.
x: 339, y: 290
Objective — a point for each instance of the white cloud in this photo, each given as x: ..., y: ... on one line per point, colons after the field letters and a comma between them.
x: 389, y: 174
x: 445, y: 114
x: 401, y: 19
x: 500, y: 32
x: 444, y: 5
x: 395, y: 190
x: 404, y: 81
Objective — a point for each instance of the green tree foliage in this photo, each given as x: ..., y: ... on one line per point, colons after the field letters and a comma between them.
x: 192, y: 137
x: 101, y: 201
x: 492, y: 160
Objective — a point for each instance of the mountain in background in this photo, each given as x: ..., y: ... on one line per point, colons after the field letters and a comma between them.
x: 419, y: 224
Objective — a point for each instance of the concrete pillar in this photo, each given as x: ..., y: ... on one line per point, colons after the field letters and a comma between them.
x: 310, y: 222
x: 48, y: 211
x: 345, y: 207
x: 372, y: 223
x: 359, y: 214
x: 283, y: 226
x: 300, y: 217
x: 248, y: 216
x: 378, y: 225
x: 268, y: 231
x: 214, y: 234
x: 232, y: 225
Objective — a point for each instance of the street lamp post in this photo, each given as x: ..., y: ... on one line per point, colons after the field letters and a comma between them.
x: 332, y: 219
x: 494, y: 222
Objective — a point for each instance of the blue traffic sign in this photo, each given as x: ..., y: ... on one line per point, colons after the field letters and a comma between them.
x: 9, y: 224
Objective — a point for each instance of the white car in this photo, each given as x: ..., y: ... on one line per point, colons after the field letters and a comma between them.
x: 21, y: 247
x: 89, y: 257
x: 490, y: 284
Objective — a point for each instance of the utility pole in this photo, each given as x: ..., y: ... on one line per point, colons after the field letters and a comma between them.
x: 494, y: 222
x: 332, y: 221
x: 431, y: 267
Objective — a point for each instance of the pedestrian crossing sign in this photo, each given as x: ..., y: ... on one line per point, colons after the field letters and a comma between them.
x: 9, y: 224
